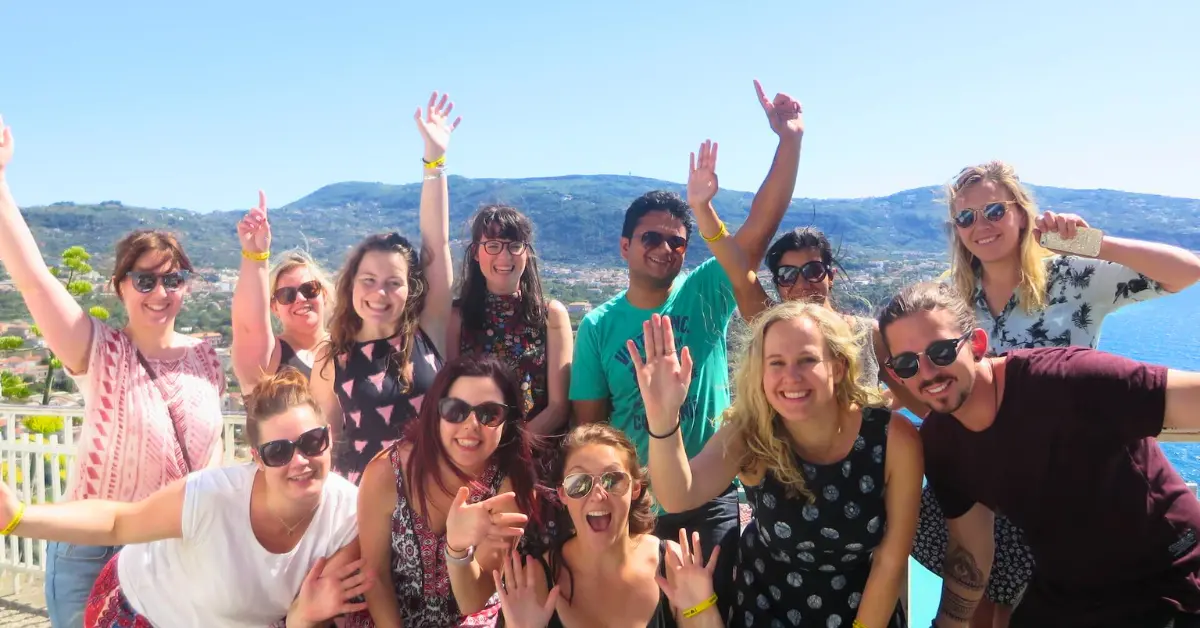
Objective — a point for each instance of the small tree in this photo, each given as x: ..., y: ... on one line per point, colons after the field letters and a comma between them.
x: 11, y: 385
x: 74, y: 266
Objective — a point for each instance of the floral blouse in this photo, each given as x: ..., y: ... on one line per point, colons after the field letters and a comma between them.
x: 505, y: 335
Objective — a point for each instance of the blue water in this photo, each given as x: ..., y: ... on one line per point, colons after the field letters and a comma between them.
x: 1163, y: 331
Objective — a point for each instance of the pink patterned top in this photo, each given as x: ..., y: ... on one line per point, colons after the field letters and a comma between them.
x: 127, y: 449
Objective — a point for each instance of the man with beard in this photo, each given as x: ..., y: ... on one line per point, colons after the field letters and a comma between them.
x: 655, y: 237
x: 1062, y: 441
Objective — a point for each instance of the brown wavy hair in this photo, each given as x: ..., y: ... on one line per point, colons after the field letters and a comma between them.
x: 345, y: 323
x: 273, y: 395
x: 137, y: 243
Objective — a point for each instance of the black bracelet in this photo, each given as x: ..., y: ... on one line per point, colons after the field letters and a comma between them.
x: 678, y: 424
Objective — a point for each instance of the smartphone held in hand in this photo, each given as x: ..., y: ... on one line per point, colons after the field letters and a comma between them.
x: 1086, y: 242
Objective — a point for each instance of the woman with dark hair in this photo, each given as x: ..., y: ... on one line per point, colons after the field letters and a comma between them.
x: 438, y: 510
x: 152, y: 396
x: 501, y: 311
x: 612, y: 562
x: 388, y: 330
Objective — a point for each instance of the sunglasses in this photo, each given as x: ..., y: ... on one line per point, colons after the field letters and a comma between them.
x: 579, y: 485
x: 654, y: 239
x: 813, y: 272
x: 278, y: 453
x: 494, y: 247
x: 993, y: 212
x: 940, y: 353
x: 287, y: 296
x: 488, y: 413
x: 144, y: 282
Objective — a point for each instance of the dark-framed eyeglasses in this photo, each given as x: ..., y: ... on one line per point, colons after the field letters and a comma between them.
x: 278, y: 453
x: 144, y: 282
x: 941, y: 353
x: 813, y: 272
x: 488, y: 413
x: 579, y: 485
x: 654, y: 239
x: 495, y: 247
x: 287, y: 296
x: 993, y: 212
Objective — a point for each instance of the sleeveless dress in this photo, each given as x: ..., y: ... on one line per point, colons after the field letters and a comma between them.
x: 374, y: 404
x: 805, y: 564
x: 419, y: 571
x: 662, y: 617
x: 288, y: 357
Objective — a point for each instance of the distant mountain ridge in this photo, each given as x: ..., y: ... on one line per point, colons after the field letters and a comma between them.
x: 578, y: 218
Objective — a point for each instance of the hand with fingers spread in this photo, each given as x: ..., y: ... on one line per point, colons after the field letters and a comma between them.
x: 435, y: 127
x: 254, y: 231
x: 784, y: 113
x: 702, y: 176
x: 6, y: 146
x: 689, y: 581
x: 324, y: 596
x: 519, y: 597
x: 493, y: 519
x: 663, y: 377
x: 1065, y: 225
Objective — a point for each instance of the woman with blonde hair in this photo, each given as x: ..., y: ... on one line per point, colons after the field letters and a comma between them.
x: 1026, y: 296
x: 296, y: 291
x: 832, y: 476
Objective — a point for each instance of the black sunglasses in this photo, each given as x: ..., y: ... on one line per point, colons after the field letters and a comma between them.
x: 939, y: 352
x: 144, y: 282
x: 287, y: 296
x: 488, y: 413
x: 993, y: 212
x: 579, y: 485
x: 654, y: 239
x: 278, y: 453
x: 813, y: 272
x: 494, y: 247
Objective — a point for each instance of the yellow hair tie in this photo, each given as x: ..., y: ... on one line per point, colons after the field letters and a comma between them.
x: 701, y: 607
x: 16, y: 520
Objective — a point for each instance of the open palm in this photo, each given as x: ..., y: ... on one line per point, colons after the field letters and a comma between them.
x: 689, y: 581
x: 254, y: 230
x: 784, y: 113
x: 435, y: 127
x: 702, y: 175
x: 324, y: 596
x: 663, y: 377
x: 518, y: 595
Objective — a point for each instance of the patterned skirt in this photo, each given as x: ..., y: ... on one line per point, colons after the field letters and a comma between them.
x: 107, y: 606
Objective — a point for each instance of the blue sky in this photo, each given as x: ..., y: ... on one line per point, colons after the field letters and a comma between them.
x: 198, y: 105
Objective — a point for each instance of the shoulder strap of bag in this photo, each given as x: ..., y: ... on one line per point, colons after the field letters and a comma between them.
x: 187, y: 465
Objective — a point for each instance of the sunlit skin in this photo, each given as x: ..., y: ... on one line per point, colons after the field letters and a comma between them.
x: 658, y: 266
x: 303, y: 317
x: 990, y: 241
x: 301, y: 480
x: 159, y: 307
x: 608, y: 523
x: 799, y: 374
x: 380, y: 292
x: 804, y: 289
x: 945, y: 389
x: 503, y: 270
x: 469, y: 444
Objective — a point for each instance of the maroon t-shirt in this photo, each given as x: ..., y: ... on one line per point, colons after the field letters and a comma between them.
x: 1071, y: 459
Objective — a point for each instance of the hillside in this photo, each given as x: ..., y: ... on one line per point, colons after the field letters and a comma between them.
x: 578, y: 218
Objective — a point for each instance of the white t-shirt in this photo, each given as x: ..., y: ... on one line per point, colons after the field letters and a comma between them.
x: 218, y: 574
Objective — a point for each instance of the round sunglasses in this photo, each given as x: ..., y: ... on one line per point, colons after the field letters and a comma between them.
x: 940, y: 352
x: 144, y: 282
x: 654, y: 239
x: 278, y: 453
x: 488, y: 413
x: 579, y: 485
x: 993, y: 212
x: 287, y: 296
x: 494, y: 247
x: 813, y: 272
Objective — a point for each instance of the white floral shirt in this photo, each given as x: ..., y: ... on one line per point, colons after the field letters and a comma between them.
x: 1080, y: 292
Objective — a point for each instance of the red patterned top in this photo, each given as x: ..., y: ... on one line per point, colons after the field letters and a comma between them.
x: 127, y: 449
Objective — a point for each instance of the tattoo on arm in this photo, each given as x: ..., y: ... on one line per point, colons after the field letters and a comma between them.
x: 956, y: 606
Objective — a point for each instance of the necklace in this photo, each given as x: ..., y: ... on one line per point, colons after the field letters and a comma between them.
x: 291, y: 529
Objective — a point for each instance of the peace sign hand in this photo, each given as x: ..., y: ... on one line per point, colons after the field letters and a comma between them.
x: 662, y: 377
x: 325, y: 596
x: 518, y: 596
x: 469, y: 525
x: 6, y: 146
x: 702, y: 176
x: 254, y: 230
x: 688, y: 581
x: 434, y: 126
x: 784, y: 113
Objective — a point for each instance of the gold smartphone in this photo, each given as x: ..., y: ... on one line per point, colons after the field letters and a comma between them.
x: 1086, y: 242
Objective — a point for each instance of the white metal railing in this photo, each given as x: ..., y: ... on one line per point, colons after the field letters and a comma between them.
x: 38, y: 468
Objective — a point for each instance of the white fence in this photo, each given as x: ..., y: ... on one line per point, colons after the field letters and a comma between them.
x: 38, y: 469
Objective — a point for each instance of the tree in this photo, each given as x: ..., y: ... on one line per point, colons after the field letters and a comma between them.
x: 71, y: 271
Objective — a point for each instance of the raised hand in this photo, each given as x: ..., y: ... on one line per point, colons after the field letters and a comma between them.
x: 469, y: 525
x: 784, y: 113
x: 663, y: 377
x: 254, y: 231
x: 324, y: 596
x: 6, y: 145
x: 702, y: 176
x: 518, y: 596
x: 689, y: 582
x: 434, y: 127
x: 1065, y: 225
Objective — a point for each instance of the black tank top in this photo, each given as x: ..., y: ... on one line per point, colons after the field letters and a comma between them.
x: 662, y: 617
x: 288, y: 357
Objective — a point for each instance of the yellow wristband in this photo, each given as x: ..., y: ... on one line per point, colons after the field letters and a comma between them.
x: 16, y: 520
x: 858, y: 624
x: 257, y: 257
x: 701, y: 607
x: 721, y: 233
x: 436, y: 163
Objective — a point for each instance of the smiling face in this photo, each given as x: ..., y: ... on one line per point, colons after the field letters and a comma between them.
x: 804, y: 289
x: 303, y: 314
x: 601, y: 516
x: 380, y: 289
x: 470, y: 444
x: 159, y: 306
x: 303, y: 476
x: 989, y: 240
x: 503, y: 269
x: 658, y: 264
x: 800, y: 375
x: 943, y: 388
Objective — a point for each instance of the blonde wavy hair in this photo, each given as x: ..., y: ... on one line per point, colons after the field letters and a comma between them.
x: 751, y: 417
x: 1031, y: 290
x: 296, y: 258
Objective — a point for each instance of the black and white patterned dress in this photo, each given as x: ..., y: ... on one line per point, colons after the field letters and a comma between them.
x: 806, y: 564
x: 1080, y: 292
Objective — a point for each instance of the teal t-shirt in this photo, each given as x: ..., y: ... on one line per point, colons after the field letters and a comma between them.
x: 700, y: 305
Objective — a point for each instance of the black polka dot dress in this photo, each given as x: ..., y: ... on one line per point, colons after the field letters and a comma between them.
x: 806, y: 564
